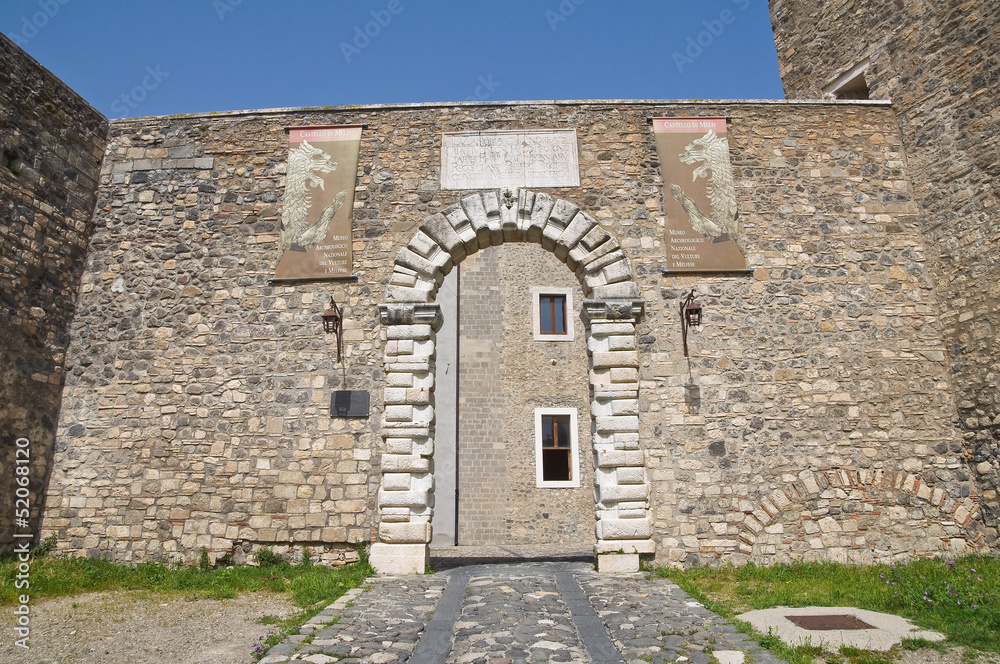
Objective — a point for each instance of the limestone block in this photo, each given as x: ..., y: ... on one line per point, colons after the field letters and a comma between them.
x: 626, y: 441
x: 752, y: 524
x: 618, y: 563
x: 609, y: 528
x: 586, y: 261
x: 439, y: 229
x: 491, y: 206
x: 399, y: 559
x: 416, y: 498
x: 577, y: 258
x: 539, y: 217
x: 418, y: 396
x: 395, y: 514
x: 560, y: 217
x: 463, y: 227
x: 808, y: 479
x: 405, y: 430
x: 404, y: 277
x: 617, y: 423
x: 624, y: 375
x: 399, y: 347
x: 605, y: 477
x: 508, y: 221
x: 408, y: 332
x: 620, y: 290
x: 615, y: 391
x: 398, y: 413
x: 628, y: 546
x: 612, y: 458
x: 606, y: 329
x: 625, y: 407
x: 424, y: 447
x: 622, y: 342
x: 475, y: 212
x: 394, y: 396
x: 616, y: 272
x: 404, y: 463
x: 601, y: 408
x: 597, y: 237
x: 597, y: 263
x: 612, y: 493
x: 598, y: 344
x: 615, y: 359
x: 404, y: 533
x: 422, y: 366
x: 396, y: 481
x: 525, y: 204
x: 423, y: 414
x: 581, y: 224
x: 422, y: 244
x: 423, y: 266
x: 404, y: 294
x: 600, y: 378
x: 630, y: 475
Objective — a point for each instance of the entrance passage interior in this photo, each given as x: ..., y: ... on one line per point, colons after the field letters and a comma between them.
x: 506, y: 384
x: 513, y: 458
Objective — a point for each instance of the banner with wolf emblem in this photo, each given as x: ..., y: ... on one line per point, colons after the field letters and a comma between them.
x: 703, y: 225
x: 318, y: 207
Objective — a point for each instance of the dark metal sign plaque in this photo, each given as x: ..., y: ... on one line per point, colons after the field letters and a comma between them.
x: 829, y: 622
x: 349, y: 403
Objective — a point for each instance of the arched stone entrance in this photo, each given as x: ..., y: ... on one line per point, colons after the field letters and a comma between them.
x: 411, y: 318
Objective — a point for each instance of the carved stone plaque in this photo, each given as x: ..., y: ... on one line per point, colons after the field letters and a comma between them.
x: 510, y: 158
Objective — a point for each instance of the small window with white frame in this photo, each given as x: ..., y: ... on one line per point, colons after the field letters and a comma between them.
x: 552, y: 314
x: 557, y: 451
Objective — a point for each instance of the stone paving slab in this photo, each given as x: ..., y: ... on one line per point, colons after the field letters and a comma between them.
x: 516, y: 614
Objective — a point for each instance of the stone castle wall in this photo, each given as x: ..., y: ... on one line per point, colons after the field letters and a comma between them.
x: 939, y: 63
x: 814, y: 417
x: 52, y: 144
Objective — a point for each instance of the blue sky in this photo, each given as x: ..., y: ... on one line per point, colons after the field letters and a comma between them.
x: 138, y: 57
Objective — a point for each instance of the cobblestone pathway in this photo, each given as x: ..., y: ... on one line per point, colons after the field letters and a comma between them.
x: 514, y: 613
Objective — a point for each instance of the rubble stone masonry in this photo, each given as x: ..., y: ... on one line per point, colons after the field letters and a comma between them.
x: 939, y: 63
x: 52, y: 144
x: 814, y: 417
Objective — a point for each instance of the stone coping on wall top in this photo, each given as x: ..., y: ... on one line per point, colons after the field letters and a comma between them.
x: 539, y: 102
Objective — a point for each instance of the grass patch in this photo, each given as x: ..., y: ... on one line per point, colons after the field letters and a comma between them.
x: 312, y: 587
x: 959, y: 598
x: 56, y: 576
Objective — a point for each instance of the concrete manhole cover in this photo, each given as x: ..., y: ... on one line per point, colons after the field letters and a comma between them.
x: 817, y: 626
x: 830, y: 622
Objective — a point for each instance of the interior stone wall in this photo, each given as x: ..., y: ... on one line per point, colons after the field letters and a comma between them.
x: 52, y: 144
x: 939, y: 63
x: 504, y: 375
x: 482, y: 456
x: 195, y: 411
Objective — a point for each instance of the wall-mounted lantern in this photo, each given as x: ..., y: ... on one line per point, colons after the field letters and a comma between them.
x: 690, y: 317
x: 333, y: 321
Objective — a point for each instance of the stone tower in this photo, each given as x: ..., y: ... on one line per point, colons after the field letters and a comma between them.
x: 51, y: 145
x: 939, y: 64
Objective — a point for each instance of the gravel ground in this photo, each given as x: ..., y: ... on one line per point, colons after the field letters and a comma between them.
x: 140, y: 628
